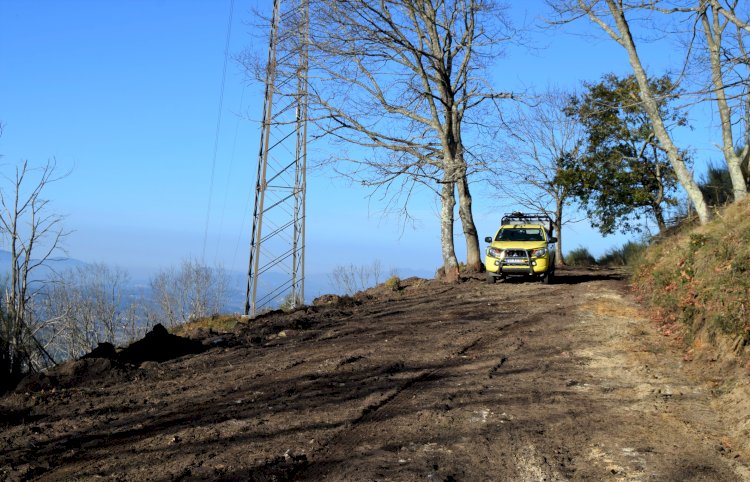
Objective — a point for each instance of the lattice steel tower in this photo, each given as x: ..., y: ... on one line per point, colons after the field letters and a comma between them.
x: 276, y: 271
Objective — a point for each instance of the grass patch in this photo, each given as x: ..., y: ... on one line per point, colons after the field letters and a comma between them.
x: 216, y: 323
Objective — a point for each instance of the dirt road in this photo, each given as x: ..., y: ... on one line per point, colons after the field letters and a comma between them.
x: 473, y: 382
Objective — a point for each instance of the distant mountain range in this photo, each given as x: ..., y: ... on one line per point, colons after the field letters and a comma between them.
x: 52, y: 265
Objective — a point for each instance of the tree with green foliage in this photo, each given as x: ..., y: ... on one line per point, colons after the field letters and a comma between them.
x: 625, y: 173
x: 619, y: 20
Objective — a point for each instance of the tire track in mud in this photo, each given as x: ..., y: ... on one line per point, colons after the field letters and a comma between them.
x: 431, y: 374
x: 487, y: 409
x: 338, y: 447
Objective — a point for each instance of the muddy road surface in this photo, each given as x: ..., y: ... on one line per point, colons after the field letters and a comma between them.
x: 470, y: 382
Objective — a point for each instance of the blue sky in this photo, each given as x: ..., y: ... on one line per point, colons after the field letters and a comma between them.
x: 125, y: 95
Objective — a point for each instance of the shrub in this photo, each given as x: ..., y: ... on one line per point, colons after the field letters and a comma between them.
x: 626, y: 255
x: 393, y: 283
x: 580, y: 257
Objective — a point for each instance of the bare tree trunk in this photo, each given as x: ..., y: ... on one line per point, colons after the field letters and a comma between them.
x: 473, y: 253
x: 625, y: 39
x: 659, y: 216
x: 557, y: 224
x: 448, y: 204
x: 713, y: 31
x: 5, y: 362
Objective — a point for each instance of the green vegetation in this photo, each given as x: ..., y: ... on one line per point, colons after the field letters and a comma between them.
x: 699, y: 278
x: 626, y: 255
x: 580, y: 257
x: 716, y: 186
x: 623, y: 175
x: 216, y: 323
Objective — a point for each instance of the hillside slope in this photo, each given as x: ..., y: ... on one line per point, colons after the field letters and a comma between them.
x: 699, y: 280
x: 514, y: 381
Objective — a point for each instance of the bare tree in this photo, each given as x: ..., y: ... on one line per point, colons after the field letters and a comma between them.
x: 611, y: 17
x: 725, y: 60
x: 542, y: 136
x: 88, y: 305
x: 351, y: 279
x: 190, y: 292
x: 32, y: 234
x: 398, y: 80
x: 724, y: 57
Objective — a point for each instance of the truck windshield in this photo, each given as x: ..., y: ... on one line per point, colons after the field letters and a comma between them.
x: 520, y: 234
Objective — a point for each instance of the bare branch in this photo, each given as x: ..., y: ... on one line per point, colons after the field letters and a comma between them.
x: 27, y: 228
x: 730, y: 15
x: 402, y: 77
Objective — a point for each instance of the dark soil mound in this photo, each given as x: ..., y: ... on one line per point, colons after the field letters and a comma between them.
x: 159, y: 345
x: 105, y: 365
x: 103, y: 350
x: 75, y: 373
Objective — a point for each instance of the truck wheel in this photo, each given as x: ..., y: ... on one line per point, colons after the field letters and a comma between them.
x: 547, y: 277
x: 490, y: 279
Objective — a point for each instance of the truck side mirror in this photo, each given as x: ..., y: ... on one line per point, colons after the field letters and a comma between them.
x: 488, y: 239
x: 553, y: 239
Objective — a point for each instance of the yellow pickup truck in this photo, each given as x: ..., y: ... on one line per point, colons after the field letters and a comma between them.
x: 523, y: 246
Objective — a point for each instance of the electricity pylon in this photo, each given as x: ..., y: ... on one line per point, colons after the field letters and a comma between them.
x: 276, y: 270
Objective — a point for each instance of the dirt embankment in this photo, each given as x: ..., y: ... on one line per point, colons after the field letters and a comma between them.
x: 514, y: 381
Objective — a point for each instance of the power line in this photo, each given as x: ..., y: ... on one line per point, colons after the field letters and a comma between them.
x: 218, y: 127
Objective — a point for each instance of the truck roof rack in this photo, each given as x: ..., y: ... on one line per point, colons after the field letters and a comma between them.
x: 528, y: 218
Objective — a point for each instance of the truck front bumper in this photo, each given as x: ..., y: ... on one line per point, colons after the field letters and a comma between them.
x: 529, y: 266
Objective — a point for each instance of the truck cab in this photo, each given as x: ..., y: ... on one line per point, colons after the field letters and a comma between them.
x: 522, y: 246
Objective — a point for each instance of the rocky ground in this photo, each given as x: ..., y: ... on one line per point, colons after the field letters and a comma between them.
x: 468, y: 382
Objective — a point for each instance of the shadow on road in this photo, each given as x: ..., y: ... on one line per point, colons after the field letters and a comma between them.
x: 571, y: 276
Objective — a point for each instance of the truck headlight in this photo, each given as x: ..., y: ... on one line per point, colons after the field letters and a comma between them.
x: 539, y: 253
x: 496, y: 252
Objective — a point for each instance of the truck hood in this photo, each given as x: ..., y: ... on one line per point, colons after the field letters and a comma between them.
x: 519, y: 244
